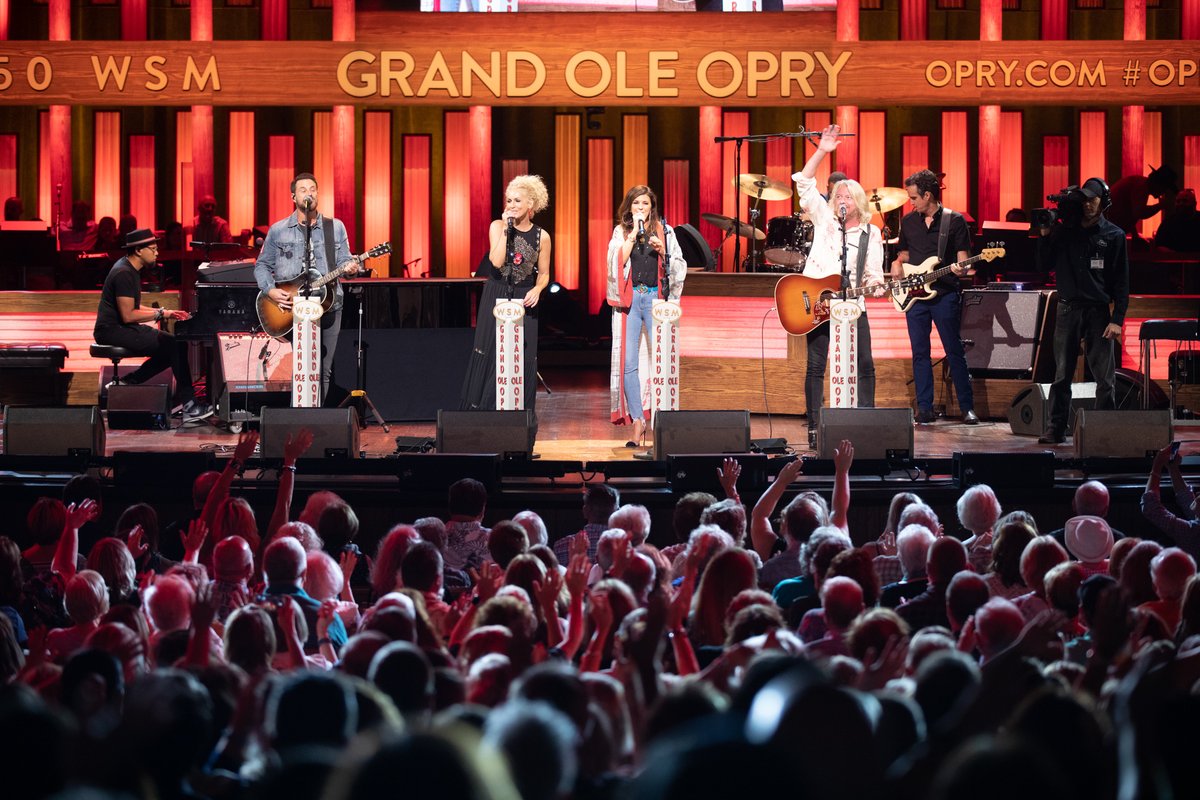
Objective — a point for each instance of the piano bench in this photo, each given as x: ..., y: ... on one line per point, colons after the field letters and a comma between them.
x: 114, y: 354
x: 32, y: 373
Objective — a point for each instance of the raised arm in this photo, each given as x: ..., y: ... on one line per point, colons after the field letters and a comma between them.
x: 66, y: 555
x: 293, y: 448
x: 843, y: 457
x: 827, y: 144
x: 247, y: 441
x: 762, y: 535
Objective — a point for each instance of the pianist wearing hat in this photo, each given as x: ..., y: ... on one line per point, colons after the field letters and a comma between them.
x: 120, y: 321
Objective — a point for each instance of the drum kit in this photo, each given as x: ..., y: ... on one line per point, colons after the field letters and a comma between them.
x: 788, y: 239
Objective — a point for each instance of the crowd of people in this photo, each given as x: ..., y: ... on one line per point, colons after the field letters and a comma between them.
x: 763, y: 649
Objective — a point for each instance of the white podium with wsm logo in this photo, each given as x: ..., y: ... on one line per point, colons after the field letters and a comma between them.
x: 664, y: 356
x: 843, y: 353
x: 510, y: 355
x: 306, y: 350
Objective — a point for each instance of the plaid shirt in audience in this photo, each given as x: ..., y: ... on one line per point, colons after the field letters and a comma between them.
x: 889, y: 569
x: 562, y: 548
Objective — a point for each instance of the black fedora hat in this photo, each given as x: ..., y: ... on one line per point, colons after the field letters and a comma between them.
x: 140, y: 237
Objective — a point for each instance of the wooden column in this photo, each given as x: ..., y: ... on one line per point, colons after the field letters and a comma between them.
x: 846, y: 158
x: 344, y: 139
x: 203, y: 180
x: 990, y: 30
x: 60, y: 122
x: 1133, y: 117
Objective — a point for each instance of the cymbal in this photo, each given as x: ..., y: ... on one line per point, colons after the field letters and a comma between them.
x: 730, y: 225
x: 886, y: 198
x: 764, y: 188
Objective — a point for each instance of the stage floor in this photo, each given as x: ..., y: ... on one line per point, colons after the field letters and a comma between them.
x: 574, y: 425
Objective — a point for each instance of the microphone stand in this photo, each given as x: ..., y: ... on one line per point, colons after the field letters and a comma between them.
x: 509, y: 256
x: 359, y: 397
x: 845, y: 256
x: 737, y: 169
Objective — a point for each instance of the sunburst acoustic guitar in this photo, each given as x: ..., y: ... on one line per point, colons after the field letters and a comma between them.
x: 277, y: 321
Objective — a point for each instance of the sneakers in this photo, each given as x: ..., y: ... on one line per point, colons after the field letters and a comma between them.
x: 193, y: 411
x: 1052, y: 437
x: 924, y: 416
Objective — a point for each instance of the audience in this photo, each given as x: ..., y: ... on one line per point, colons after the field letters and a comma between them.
x: 602, y: 667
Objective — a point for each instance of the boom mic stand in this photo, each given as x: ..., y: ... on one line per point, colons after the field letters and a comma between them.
x: 358, y: 396
x: 737, y: 170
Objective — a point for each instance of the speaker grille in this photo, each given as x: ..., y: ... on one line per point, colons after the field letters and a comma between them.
x: 335, y: 430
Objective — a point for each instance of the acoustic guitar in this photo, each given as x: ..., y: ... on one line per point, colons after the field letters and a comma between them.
x: 277, y: 321
x: 803, y: 302
x: 915, y: 285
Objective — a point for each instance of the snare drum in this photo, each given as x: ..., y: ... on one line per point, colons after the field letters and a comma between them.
x: 788, y: 240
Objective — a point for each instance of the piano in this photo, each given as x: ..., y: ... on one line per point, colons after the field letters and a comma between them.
x: 220, y: 307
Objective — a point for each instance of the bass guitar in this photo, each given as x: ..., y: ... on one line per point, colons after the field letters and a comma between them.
x: 915, y: 285
x: 277, y: 321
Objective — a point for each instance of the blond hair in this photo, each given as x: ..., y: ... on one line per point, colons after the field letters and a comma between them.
x: 533, y: 187
x: 857, y: 194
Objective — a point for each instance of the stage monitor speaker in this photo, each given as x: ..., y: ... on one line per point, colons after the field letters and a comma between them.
x: 1004, y: 470
x: 1029, y: 412
x: 679, y: 433
x: 699, y: 473
x: 505, y: 433
x: 1121, y: 434
x: 877, y: 433
x: 335, y: 431
x: 61, y: 431
x: 1002, y: 329
x: 141, y: 407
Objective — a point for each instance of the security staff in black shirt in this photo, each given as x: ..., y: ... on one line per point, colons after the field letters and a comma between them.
x: 1088, y: 255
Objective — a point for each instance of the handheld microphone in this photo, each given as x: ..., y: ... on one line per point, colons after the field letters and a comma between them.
x: 641, y: 224
x: 510, y: 223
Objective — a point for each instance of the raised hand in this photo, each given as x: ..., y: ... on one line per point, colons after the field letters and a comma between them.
x: 843, y: 455
x: 138, y: 546
x: 193, y: 540
x: 885, y: 545
x: 728, y: 475
x: 348, y: 560
x: 602, y: 613
x: 78, y: 514
x: 579, y: 545
x: 204, y: 608
x: 286, y: 612
x: 297, y: 446
x: 247, y: 441
x: 577, y: 575
x: 622, y: 553
x: 325, y: 616
x: 829, y: 139
x: 549, y: 589
x: 487, y: 581
x: 790, y: 471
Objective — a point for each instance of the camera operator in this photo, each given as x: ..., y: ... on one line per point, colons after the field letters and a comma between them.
x: 1088, y: 255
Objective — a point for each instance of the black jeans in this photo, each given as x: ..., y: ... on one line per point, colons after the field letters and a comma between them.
x: 814, y: 374
x: 163, y: 351
x: 1086, y: 323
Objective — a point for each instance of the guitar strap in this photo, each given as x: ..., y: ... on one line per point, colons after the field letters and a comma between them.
x: 944, y: 234
x: 327, y: 227
x: 331, y: 260
x: 862, y: 255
